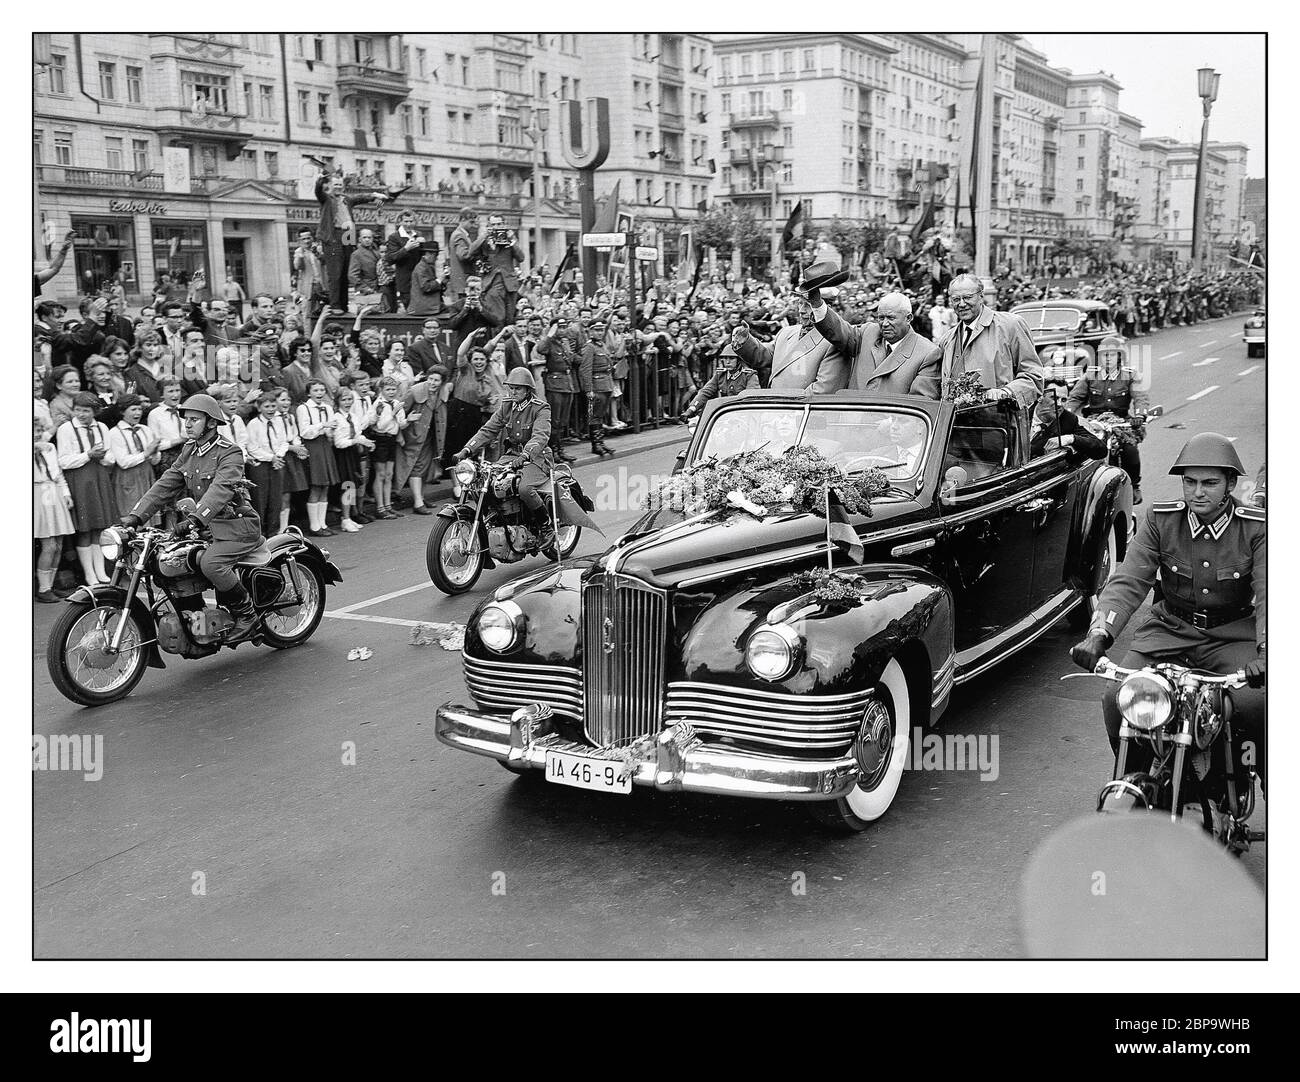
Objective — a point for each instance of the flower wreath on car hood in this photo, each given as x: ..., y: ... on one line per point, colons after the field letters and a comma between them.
x: 759, y: 482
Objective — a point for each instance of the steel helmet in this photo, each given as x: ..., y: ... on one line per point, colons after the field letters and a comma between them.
x: 204, y: 403
x: 520, y: 377
x: 1208, y: 449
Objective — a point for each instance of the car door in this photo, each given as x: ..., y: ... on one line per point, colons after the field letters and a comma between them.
x: 1053, y: 480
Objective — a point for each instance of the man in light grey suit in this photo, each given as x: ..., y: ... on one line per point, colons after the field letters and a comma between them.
x: 799, y: 358
x: 887, y: 356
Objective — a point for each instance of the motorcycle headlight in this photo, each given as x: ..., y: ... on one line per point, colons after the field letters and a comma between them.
x: 110, y: 543
x: 1145, y: 700
x: 464, y: 472
x: 771, y: 651
x: 499, y: 624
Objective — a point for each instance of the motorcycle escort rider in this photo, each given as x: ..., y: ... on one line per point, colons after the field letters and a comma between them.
x: 210, y: 470
x: 1205, y: 554
x: 1110, y: 385
x: 521, y: 429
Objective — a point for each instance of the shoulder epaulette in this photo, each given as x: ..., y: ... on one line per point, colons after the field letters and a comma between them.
x: 1171, y: 505
x: 1254, y: 514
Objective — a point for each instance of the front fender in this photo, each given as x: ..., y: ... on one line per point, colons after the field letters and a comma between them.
x: 1107, y: 497
x: 115, y: 595
x: 551, y: 603
x: 901, y: 612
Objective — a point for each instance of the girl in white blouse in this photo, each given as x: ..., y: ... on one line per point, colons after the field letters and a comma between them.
x: 85, y: 458
x: 264, y: 463
x: 293, y: 454
x: 51, y: 510
x: 384, y: 420
x: 349, y: 443
x: 316, y: 425
x: 135, y: 451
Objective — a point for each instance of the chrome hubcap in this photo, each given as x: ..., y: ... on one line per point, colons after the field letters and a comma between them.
x: 874, y: 744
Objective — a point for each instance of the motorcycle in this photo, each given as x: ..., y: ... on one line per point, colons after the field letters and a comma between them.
x: 1117, y: 431
x: 108, y: 635
x: 488, y: 524
x: 1185, y: 717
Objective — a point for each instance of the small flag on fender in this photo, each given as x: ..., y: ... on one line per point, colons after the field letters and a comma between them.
x: 839, y: 530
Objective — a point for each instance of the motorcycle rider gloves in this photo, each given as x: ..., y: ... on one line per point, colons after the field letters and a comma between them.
x: 1092, y: 649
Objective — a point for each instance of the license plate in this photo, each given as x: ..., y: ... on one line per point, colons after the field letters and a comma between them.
x: 583, y: 772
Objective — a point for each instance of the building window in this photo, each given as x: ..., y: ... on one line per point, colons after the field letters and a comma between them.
x: 111, y: 249
x: 468, y: 122
x: 323, y: 107
x: 1083, y: 140
x: 809, y: 63
x: 304, y: 106
x: 464, y: 71
x: 453, y: 120
x: 297, y: 45
x: 407, y: 127
x: 746, y: 63
x: 213, y: 91
x: 787, y: 61
x: 318, y: 47
x: 1080, y: 165
x: 140, y: 155
x: 1083, y: 116
x: 787, y: 172
x: 63, y: 148
x: 787, y: 98
x: 426, y: 177
x: 266, y: 101
x: 248, y: 159
x: 408, y: 177
x: 564, y: 88
x: 768, y: 64
x: 272, y: 159
x: 424, y: 120
x: 107, y: 81
x: 58, y: 73
x: 135, y: 85
x: 421, y: 62
x: 38, y: 146
x: 179, y: 247
x: 1078, y: 184
x: 113, y: 152
x: 726, y: 103
x: 787, y: 136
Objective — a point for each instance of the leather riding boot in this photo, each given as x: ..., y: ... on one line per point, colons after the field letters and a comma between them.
x: 545, y: 524
x: 241, y: 608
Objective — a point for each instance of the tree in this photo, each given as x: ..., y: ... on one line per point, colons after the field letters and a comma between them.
x: 721, y: 227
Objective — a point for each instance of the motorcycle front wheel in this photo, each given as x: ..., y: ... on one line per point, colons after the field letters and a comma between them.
x: 287, y: 628
x: 79, y: 660
x: 452, y: 556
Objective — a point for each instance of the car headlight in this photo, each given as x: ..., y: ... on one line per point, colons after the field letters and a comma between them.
x: 110, y: 543
x: 499, y: 624
x: 1145, y: 700
x: 771, y: 652
x: 464, y: 472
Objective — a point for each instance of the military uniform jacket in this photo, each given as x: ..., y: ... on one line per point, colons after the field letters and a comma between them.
x: 213, y: 476
x: 559, y: 353
x: 525, y: 431
x: 724, y: 384
x: 595, y: 368
x: 1105, y: 390
x: 1216, y: 566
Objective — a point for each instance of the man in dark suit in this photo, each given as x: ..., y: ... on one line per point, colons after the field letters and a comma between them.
x: 335, y: 232
x: 403, y: 251
x: 887, y: 356
x: 463, y: 265
x: 498, y: 253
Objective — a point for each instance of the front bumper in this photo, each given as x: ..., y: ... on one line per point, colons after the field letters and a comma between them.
x: 1256, y: 338
x: 676, y: 760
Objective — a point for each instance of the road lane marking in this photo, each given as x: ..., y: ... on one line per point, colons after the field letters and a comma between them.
x: 1202, y: 394
x: 1176, y: 353
x: 1212, y: 342
x: 1248, y: 371
x: 339, y: 614
x: 1202, y: 364
x: 382, y: 597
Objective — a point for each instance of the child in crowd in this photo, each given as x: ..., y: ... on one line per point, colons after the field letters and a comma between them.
x: 135, y: 451
x: 166, y: 423
x: 51, y: 511
x: 64, y: 386
x: 419, y: 458
x: 349, y: 443
x: 86, y: 458
x: 384, y: 421
x: 316, y: 425
x: 264, y: 445
x: 293, y: 453
x: 397, y: 366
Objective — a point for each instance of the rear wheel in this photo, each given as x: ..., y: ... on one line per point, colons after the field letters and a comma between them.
x: 452, y: 556
x: 286, y: 628
x: 1107, y: 561
x: 882, y: 757
x: 81, y: 662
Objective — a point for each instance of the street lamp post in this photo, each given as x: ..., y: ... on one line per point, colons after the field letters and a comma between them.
x: 536, y: 123
x: 1207, y: 86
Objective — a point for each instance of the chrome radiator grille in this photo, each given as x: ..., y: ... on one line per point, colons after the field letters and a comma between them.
x: 822, y: 725
x: 502, y: 686
x: 624, y: 625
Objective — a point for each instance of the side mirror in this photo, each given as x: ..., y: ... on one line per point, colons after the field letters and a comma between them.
x: 680, y: 463
x: 954, y: 477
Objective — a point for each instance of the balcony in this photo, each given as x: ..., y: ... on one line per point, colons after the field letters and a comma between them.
x: 908, y: 199
x: 764, y: 118
x: 671, y: 163
x: 670, y: 68
x: 181, y: 125
x: 392, y: 86
x: 672, y: 121
x: 516, y: 154
x: 71, y: 176
x: 741, y: 156
x: 744, y: 191
x: 207, y: 185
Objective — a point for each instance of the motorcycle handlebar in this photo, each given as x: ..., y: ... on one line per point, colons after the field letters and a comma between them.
x: 1109, y: 670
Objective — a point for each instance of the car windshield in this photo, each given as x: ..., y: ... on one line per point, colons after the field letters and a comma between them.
x: 1051, y: 319
x: 853, y: 439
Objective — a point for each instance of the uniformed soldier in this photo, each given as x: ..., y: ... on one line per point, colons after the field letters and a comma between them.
x: 210, y: 470
x: 729, y: 379
x: 1110, y: 385
x: 595, y: 372
x: 558, y: 347
x: 521, y: 428
x: 1209, y: 553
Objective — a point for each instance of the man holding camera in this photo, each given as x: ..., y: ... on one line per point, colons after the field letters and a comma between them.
x: 336, y: 229
x: 496, y: 253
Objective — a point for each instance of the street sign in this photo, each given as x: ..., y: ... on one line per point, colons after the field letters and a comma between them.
x: 604, y: 240
x: 648, y: 254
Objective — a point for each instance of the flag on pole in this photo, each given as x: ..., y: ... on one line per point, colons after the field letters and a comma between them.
x: 839, y: 530
x: 794, y: 227
x: 568, y: 254
x: 607, y: 212
x: 572, y: 505
x: 924, y: 222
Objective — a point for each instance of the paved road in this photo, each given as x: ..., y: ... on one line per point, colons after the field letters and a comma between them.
x: 231, y: 769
